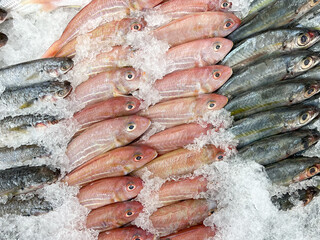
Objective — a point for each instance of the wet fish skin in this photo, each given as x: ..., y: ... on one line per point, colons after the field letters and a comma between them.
x: 313, y: 73
x: 272, y: 122
x: 31, y: 207
x: 275, y: 148
x: 25, y: 97
x: 109, y: 190
x: 113, y: 216
x: 126, y: 233
x: 180, y: 162
x: 199, y: 232
x: 181, y: 215
x: 309, y: 21
x: 315, y: 47
x: 269, y: 44
x: 3, y: 15
x: 24, y: 179
x: 279, y: 14
x: 192, y: 82
x: 3, y: 39
x: 197, y: 26
x: 111, y: 108
x: 269, y: 71
x: 184, y: 110
x: 293, y: 170
x: 255, y: 7
x: 36, y: 71
x: 105, y: 136
x: 117, y: 162
x: 271, y: 96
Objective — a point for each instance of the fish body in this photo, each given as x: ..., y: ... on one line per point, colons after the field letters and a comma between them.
x: 199, y: 232
x: 183, y: 189
x: 111, y: 108
x: 313, y: 73
x: 33, y: 206
x: 24, y: 179
x: 117, y: 162
x: 269, y: 71
x: 181, y: 215
x: 255, y: 7
x: 272, y: 122
x: 310, y: 21
x: 180, y: 162
x: 271, y: 96
x: 126, y: 233
x: 269, y: 44
x: 197, y: 26
x: 113, y: 216
x: 192, y: 82
x: 175, y: 137
x: 109, y: 190
x: 275, y: 148
x: 104, y: 136
x: 36, y: 71
x: 3, y: 39
x: 184, y: 110
x: 198, y: 53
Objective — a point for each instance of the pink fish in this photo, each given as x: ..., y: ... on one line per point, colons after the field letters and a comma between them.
x: 104, y: 136
x: 127, y: 233
x: 199, y: 232
x: 113, y: 216
x: 180, y: 162
x: 192, y: 82
x: 117, y: 162
x: 111, y: 108
x: 175, y: 137
x: 197, y: 26
x: 183, y: 110
x: 178, y: 216
x: 115, y: 82
x: 109, y: 190
x: 198, y: 53
x: 174, y: 191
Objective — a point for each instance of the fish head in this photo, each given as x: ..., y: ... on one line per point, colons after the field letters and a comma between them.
x: 217, y: 76
x: 47, y: 175
x: 57, y: 66
x: 134, y: 126
x: 128, y: 211
x: 3, y: 39
x: 209, y: 102
x: 223, y: 5
x: 137, y: 25
x: 142, y: 155
x: 62, y: 90
x: 216, y: 49
x: 299, y: 116
x: 301, y: 40
x: 132, y: 186
x: 215, y: 153
x: 300, y: 64
x: 305, y: 168
x: 128, y: 80
x: 311, y: 138
x: 230, y: 23
x: 311, y: 88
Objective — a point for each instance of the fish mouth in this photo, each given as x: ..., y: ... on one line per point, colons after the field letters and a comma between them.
x: 68, y: 89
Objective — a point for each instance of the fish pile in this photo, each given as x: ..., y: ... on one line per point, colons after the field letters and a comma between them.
x: 137, y: 130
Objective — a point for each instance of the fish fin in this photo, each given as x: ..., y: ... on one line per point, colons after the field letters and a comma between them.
x: 52, y: 50
x: 27, y: 104
x: 33, y: 76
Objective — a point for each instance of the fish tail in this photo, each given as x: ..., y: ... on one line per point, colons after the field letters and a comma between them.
x: 53, y: 50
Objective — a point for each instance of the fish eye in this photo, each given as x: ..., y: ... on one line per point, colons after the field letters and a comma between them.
x: 211, y: 104
x: 64, y: 67
x: 228, y: 24
x: 131, y: 126
x: 138, y: 157
x: 311, y: 91
x: 129, y: 213
x: 137, y: 237
x: 313, y: 171
x: 136, y: 27
x: 61, y: 93
x: 131, y: 187
x: 225, y: 5
x: 130, y: 106
x: 304, y: 118
x: 216, y: 74
x: 303, y: 39
x: 130, y: 75
x: 307, y: 63
x: 220, y: 156
x: 216, y: 46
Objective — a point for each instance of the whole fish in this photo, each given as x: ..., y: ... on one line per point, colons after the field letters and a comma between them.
x: 3, y: 15
x: 112, y: 83
x: 293, y: 170
x: 269, y: 71
x: 199, y: 232
x: 197, y: 26
x: 180, y: 162
x: 175, y: 137
x: 109, y: 190
x: 183, y: 189
x: 183, y: 110
x: 272, y: 122
x: 24, y: 179
x: 178, y: 216
x: 133, y: 233
x: 313, y: 73
x: 33, y: 206
x: 309, y: 21
x: 271, y: 96
x: 267, y: 44
x: 20, y: 98
x: 104, y: 136
x: 36, y: 71
x: 192, y: 82
x: 111, y: 33
x: 3, y: 39
x: 117, y: 162
x: 275, y: 148
x: 113, y: 216
x: 279, y: 14
x: 255, y: 7
x: 179, y: 8
x: 97, y: 11
x: 198, y: 53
